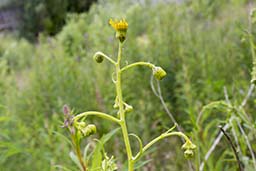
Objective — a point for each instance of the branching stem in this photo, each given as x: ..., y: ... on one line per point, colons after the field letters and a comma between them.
x: 98, y: 114
x: 162, y: 136
x: 147, y: 64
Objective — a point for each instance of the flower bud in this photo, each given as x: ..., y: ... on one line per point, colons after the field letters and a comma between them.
x: 188, y: 145
x: 115, y: 106
x: 158, y: 73
x: 89, y: 130
x: 98, y: 57
x: 188, y: 154
x: 128, y: 108
x: 66, y: 110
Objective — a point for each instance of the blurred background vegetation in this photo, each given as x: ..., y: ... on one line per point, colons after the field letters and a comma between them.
x: 46, y: 61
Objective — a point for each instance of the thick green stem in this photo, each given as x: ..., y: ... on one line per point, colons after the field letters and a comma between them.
x: 122, y: 112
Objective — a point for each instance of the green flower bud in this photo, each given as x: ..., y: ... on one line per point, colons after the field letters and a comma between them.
x: 188, y: 146
x: 108, y: 164
x: 89, y: 130
x: 128, y: 108
x: 115, y: 106
x: 81, y: 124
x: 188, y: 154
x: 159, y: 73
x: 98, y: 57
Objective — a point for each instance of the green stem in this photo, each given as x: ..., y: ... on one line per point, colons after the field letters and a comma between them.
x: 122, y: 112
x: 76, y: 146
x: 95, y: 113
x: 147, y: 64
x: 162, y: 136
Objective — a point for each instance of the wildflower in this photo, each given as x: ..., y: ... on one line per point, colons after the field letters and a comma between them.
x: 121, y: 27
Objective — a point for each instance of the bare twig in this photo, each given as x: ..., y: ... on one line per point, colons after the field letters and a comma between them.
x: 158, y: 93
x: 250, y: 91
x: 234, y: 135
x: 240, y: 165
x: 226, y: 95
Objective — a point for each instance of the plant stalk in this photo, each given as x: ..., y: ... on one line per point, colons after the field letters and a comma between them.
x: 78, y: 153
x: 121, y: 110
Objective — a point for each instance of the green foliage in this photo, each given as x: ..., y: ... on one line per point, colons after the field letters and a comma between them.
x: 48, y: 15
x: 18, y: 53
x: 201, y: 45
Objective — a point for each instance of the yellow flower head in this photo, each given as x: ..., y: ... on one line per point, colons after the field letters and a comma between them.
x: 121, y: 25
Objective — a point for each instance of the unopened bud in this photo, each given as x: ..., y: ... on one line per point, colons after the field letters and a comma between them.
x: 66, y: 110
x: 128, y: 108
x: 98, y: 57
x: 115, y: 106
x: 89, y: 130
x: 189, y: 148
x: 188, y: 154
x: 159, y: 73
x: 188, y: 145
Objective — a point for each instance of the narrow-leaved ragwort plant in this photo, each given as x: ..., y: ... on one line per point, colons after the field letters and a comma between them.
x: 79, y: 129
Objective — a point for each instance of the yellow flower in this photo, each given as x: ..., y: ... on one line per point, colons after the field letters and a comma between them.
x: 121, y: 25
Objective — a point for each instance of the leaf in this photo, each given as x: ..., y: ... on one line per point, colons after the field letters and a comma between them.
x: 75, y: 160
x: 219, y: 105
x: 140, y: 164
x: 86, y: 151
x: 62, y: 167
x: 106, y: 137
x: 97, y: 155
x: 63, y: 137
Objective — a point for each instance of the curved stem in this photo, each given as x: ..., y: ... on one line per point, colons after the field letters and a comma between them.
x: 162, y: 136
x: 95, y: 113
x: 137, y: 64
x: 105, y: 56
